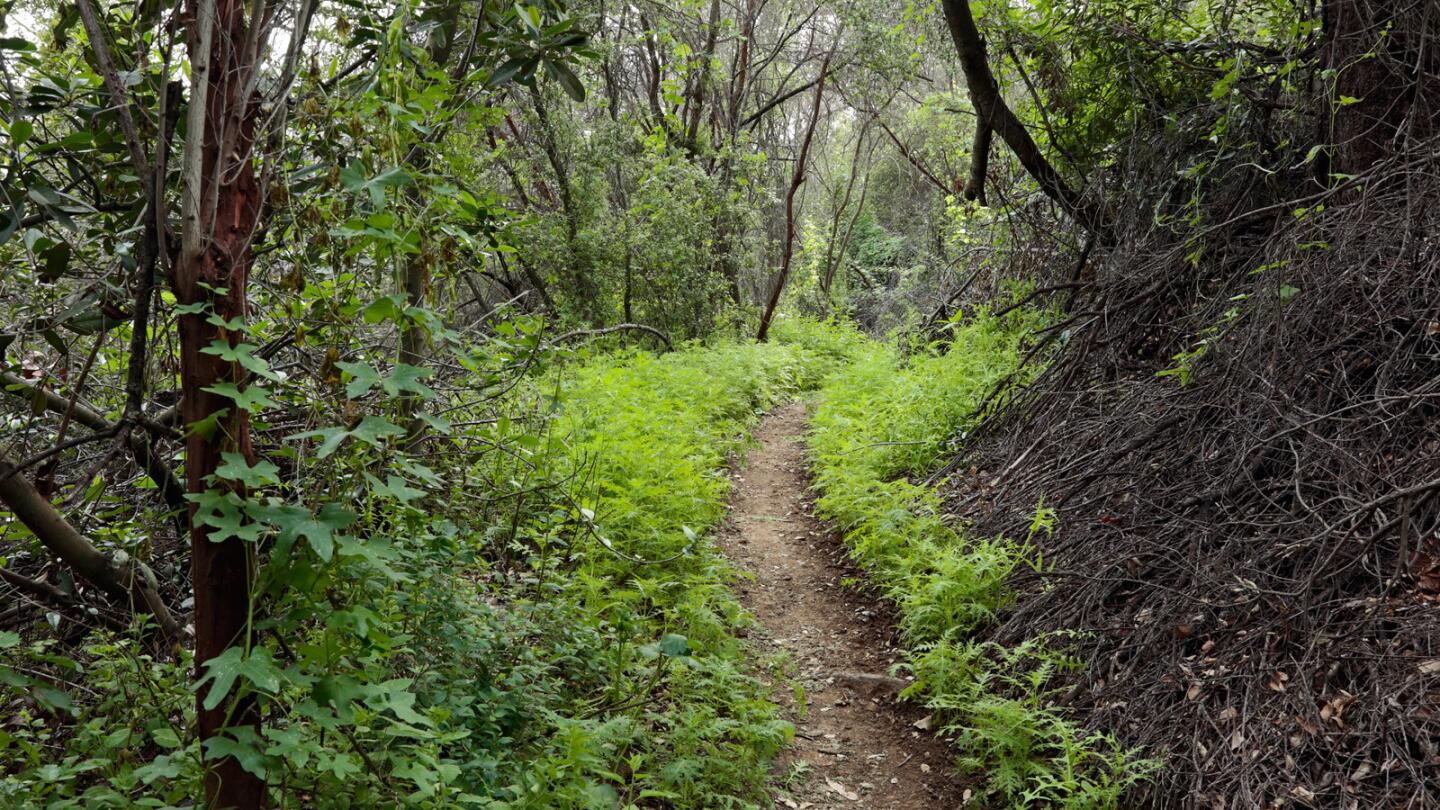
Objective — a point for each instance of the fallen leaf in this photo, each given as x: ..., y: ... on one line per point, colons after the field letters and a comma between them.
x: 842, y: 790
x: 1305, y: 723
x: 924, y: 723
x: 1333, y: 709
x: 1430, y: 667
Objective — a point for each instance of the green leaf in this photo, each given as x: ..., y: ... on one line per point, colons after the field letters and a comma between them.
x: 165, y: 737
x: 223, y: 512
x: 253, y: 398
x: 57, y: 261
x: 423, y: 777
x: 373, y: 430
x: 195, y: 308
x: 9, y: 639
x: 567, y: 78
x: 674, y: 645
x: 333, y: 436
x: 420, y: 471
x: 342, y: 765
x: 296, y: 522
x: 394, y: 487
x: 352, y: 177
x: 241, y: 743
x: 53, y: 699
x: 439, y: 424
x: 11, y: 221
x: 393, y: 178
x: 207, y: 428
x: 391, y: 308
x: 236, y: 468
x: 10, y: 677
x: 164, y: 767
x: 362, y: 378
x: 508, y: 71
x: 374, y: 551
x: 406, y: 379
x: 395, y: 695
x: 53, y: 338
x: 221, y: 672
x: 236, y: 324
x: 242, y: 354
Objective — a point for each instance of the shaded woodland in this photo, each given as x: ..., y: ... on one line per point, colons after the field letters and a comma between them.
x: 369, y: 373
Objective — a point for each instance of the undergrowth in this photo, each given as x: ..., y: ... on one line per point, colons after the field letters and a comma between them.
x: 884, y: 421
x: 543, y: 626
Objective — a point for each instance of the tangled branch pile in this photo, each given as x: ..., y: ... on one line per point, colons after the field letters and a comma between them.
x: 1240, y: 432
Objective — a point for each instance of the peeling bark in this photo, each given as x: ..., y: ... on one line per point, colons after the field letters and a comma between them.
x: 221, y: 209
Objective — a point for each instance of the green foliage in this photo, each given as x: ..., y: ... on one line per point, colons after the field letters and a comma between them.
x: 882, y: 418
x: 550, y: 627
x: 878, y: 422
x: 996, y: 704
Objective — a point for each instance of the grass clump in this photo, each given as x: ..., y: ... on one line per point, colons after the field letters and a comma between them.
x: 883, y: 421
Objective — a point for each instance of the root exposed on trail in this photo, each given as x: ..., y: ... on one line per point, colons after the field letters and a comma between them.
x: 855, y: 745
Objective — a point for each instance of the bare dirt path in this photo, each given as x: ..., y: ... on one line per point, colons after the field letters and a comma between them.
x: 855, y: 745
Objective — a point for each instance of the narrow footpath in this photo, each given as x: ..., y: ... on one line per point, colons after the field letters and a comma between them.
x: 855, y: 745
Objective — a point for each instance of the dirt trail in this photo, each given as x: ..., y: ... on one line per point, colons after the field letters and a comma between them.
x: 855, y: 746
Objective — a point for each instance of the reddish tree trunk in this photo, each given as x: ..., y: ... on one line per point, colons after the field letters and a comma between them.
x: 222, y: 570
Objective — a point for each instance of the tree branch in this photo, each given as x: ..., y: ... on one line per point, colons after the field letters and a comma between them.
x: 639, y: 327
x: 147, y: 456
x: 124, y: 579
x: 992, y: 109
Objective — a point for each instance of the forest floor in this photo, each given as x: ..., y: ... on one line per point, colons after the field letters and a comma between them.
x: 855, y: 745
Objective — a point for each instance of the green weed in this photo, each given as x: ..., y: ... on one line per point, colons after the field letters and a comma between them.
x: 551, y: 626
x: 883, y: 417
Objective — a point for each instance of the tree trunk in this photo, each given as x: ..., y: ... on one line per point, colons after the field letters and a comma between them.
x: 1386, y: 78
x: 827, y: 274
x: 587, y: 292
x: 220, y: 213
x: 695, y: 104
x: 415, y: 281
x: 992, y: 110
x: 724, y: 261
x: 979, y: 162
x: 788, y: 249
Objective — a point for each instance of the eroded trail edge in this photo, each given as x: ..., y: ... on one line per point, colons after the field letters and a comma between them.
x: 855, y: 745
